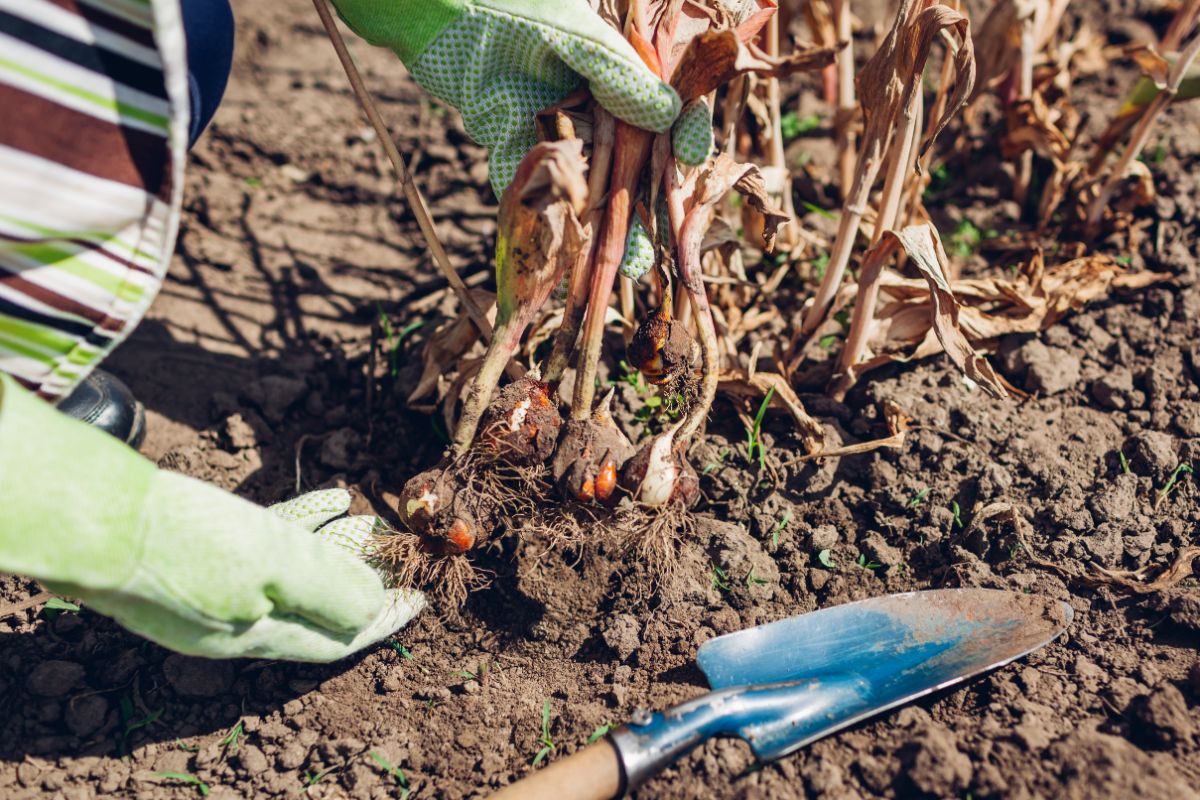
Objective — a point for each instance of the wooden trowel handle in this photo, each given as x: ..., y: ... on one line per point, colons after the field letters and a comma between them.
x: 594, y: 773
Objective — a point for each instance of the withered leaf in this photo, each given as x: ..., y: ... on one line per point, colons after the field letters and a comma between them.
x: 888, y: 80
x: 993, y: 307
x: 924, y: 249
x: 716, y: 57
x: 448, y: 344
x: 720, y: 175
x: 538, y: 228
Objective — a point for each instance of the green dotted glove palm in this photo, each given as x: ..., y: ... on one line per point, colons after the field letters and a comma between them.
x: 181, y: 562
x: 499, y: 62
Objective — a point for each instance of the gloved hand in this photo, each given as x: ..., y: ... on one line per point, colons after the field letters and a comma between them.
x: 178, y: 561
x: 499, y: 62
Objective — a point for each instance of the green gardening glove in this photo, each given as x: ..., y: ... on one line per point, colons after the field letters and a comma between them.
x: 181, y: 562
x: 499, y: 62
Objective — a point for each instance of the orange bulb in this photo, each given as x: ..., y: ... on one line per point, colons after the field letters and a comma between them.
x: 606, y: 481
x: 460, y: 537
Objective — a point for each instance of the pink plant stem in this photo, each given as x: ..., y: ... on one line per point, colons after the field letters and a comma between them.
x: 690, y: 231
x: 603, y: 127
x: 1183, y: 21
x: 631, y: 148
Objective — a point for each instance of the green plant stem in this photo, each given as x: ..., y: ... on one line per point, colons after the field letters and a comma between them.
x: 504, y: 343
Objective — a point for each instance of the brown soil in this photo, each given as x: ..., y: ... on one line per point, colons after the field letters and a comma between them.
x: 254, y: 367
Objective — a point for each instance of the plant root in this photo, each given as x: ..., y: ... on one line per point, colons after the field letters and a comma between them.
x: 651, y: 538
x: 411, y: 561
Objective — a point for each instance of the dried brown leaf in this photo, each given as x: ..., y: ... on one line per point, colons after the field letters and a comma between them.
x: 447, y: 345
x: 924, y: 249
x: 888, y: 80
x: 993, y: 307
x: 719, y: 176
x: 715, y: 57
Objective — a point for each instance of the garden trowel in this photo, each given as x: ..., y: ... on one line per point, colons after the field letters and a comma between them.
x: 784, y: 685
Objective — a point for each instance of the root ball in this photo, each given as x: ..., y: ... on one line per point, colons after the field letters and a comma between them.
x: 437, y: 505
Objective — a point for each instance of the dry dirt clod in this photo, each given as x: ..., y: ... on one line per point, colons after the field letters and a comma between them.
x: 1161, y: 718
x: 55, y: 678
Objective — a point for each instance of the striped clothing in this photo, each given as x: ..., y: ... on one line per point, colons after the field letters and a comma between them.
x: 93, y: 133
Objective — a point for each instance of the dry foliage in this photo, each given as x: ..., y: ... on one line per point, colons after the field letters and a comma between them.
x: 568, y: 217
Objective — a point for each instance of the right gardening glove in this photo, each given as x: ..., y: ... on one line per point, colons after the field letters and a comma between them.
x: 181, y: 562
x: 500, y: 62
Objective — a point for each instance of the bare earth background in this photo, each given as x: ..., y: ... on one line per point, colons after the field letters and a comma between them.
x: 253, y: 365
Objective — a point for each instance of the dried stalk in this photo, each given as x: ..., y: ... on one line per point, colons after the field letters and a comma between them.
x: 411, y: 193
x: 689, y: 233
x: 778, y: 160
x: 603, y: 128
x: 631, y: 148
x: 899, y: 162
x: 1141, y: 133
x: 847, y: 140
x: 888, y: 82
x: 1130, y: 114
x: 1025, y: 165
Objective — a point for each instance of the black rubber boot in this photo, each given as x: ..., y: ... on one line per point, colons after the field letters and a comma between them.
x: 103, y: 401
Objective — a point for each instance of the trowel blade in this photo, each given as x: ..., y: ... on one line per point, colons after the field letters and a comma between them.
x: 873, y: 655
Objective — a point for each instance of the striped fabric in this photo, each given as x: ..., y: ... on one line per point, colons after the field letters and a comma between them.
x: 93, y: 132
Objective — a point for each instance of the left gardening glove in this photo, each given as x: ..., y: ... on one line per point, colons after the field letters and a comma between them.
x: 181, y: 562
x: 499, y: 62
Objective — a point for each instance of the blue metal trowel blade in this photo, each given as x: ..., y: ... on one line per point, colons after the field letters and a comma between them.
x: 803, y: 678
x: 783, y: 685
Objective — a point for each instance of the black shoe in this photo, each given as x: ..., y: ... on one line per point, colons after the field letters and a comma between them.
x: 104, y: 402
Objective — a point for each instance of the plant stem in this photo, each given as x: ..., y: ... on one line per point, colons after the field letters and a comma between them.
x: 631, y: 148
x: 853, y: 209
x: 690, y: 231
x: 778, y: 159
x: 504, y: 343
x: 899, y: 162
x: 1025, y: 92
x: 603, y: 126
x: 1182, y: 22
x: 628, y: 325
x: 846, y: 105
x: 900, y: 156
x: 1141, y: 133
x: 413, y: 195
x: 864, y: 313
